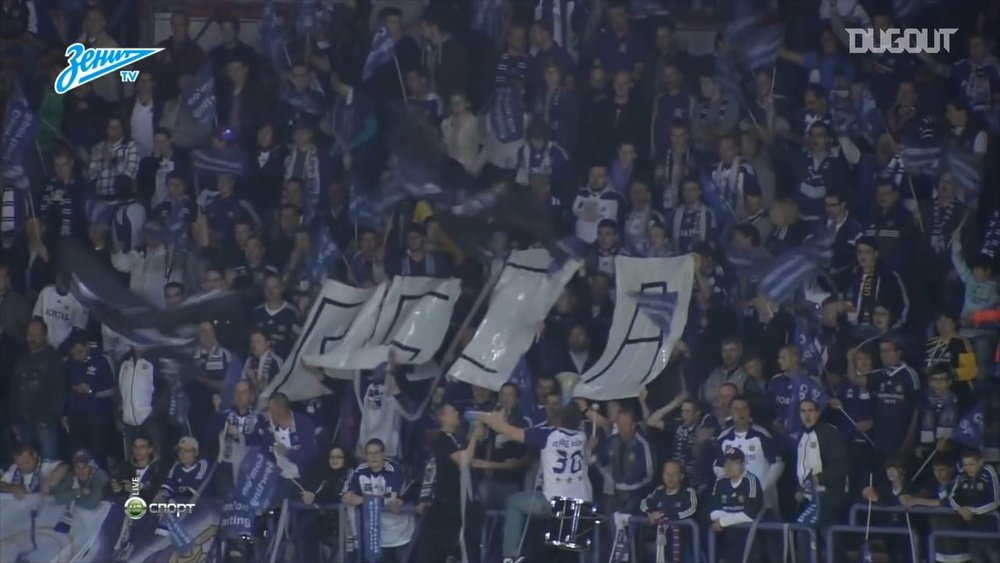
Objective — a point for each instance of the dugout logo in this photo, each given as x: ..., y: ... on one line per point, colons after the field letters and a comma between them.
x: 895, y: 40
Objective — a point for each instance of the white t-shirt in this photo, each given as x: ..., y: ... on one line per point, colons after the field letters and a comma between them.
x: 61, y: 313
x: 563, y: 461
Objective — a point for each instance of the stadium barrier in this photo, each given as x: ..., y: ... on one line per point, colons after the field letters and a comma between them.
x: 862, y: 507
x: 785, y: 528
x: 958, y: 534
x: 842, y: 529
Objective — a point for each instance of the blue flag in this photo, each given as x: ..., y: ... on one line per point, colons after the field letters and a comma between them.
x: 969, y: 431
x: 371, y: 527
x: 569, y: 248
x: 200, y: 98
x: 361, y: 208
x: 383, y: 51
x: 964, y: 168
x: 211, y: 160
x: 788, y: 273
x: 19, y: 129
x: 65, y: 523
x: 237, y: 519
x: 507, y: 114
x: 487, y: 17
x: 180, y: 405
x: 991, y: 237
x: 922, y: 157
x: 308, y: 16
x: 325, y: 254
x: 866, y: 553
x: 180, y: 537
x: 272, y: 35
x: 762, y: 49
x: 257, y: 480
x: 807, y: 337
x: 659, y: 307
x: 757, y: 40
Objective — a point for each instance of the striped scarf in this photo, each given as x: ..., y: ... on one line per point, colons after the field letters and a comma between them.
x: 34, y: 485
x: 942, y: 215
x: 10, y: 216
x: 706, y: 107
x: 663, y: 527
x: 258, y: 371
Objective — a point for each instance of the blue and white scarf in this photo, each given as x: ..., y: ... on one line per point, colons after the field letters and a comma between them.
x: 34, y: 485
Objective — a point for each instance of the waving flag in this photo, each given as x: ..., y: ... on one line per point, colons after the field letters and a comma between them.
x: 991, y: 238
x: 211, y: 160
x: 180, y: 537
x: 965, y: 170
x: 360, y: 207
x: 507, y: 114
x: 922, y: 156
x: 325, y: 254
x: 796, y: 267
x: 271, y: 35
x: 659, y: 307
x: 20, y: 126
x: 757, y: 38
x: 383, y: 51
x: 487, y: 17
x: 970, y: 428
x: 200, y: 98
x: 787, y: 274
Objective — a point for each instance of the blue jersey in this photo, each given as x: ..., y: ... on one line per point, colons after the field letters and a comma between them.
x: 896, y: 393
x: 183, y: 482
x: 856, y: 402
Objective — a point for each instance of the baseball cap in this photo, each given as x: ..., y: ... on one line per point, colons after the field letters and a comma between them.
x: 187, y: 442
x: 82, y: 456
x: 736, y: 454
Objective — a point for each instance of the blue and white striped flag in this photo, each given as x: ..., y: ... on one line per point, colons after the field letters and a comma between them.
x: 922, y: 157
x: 659, y: 307
x: 180, y: 537
x: 507, y: 114
x: 200, y: 99
x: 788, y: 273
x: 383, y: 51
x: 569, y: 248
x: 19, y: 129
x: 230, y: 160
x: 487, y: 17
x: 360, y: 206
x: 964, y: 168
x: 325, y: 253
x: 271, y: 35
x: 762, y: 49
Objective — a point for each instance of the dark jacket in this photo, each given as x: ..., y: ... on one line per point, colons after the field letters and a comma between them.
x: 833, y: 454
x: 88, y: 495
x: 38, y: 388
x: 152, y: 480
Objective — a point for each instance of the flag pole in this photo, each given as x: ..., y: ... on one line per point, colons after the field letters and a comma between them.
x: 924, y: 465
x: 399, y: 74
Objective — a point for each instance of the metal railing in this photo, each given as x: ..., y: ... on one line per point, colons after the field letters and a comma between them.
x: 769, y: 527
x: 693, y: 541
x: 832, y: 532
x: 862, y: 507
x: 957, y: 534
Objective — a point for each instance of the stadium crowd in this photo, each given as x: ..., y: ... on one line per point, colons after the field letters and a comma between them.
x: 858, y: 391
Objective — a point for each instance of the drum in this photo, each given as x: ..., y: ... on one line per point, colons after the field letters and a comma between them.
x: 573, y: 525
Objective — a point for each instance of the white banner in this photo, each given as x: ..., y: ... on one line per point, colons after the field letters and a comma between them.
x: 80, y: 543
x: 522, y: 297
x: 638, y: 349
x: 412, y: 317
x: 326, y: 326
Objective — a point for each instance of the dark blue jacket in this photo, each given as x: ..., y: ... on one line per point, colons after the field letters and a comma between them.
x: 96, y: 372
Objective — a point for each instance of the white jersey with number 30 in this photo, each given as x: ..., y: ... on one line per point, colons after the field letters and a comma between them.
x: 564, y: 461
